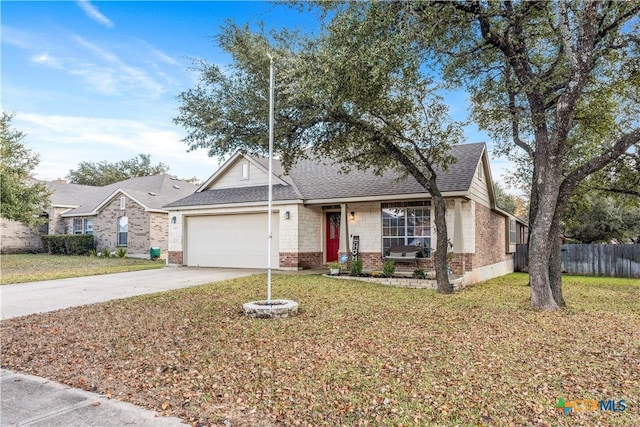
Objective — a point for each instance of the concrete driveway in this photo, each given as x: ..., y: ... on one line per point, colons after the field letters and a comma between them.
x: 39, y: 297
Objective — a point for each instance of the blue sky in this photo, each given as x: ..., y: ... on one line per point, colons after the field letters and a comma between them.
x: 94, y: 81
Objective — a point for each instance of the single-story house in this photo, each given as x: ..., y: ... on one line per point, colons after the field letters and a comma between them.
x: 320, y: 212
x: 127, y: 214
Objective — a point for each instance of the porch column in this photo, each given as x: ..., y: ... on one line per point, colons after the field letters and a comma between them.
x: 458, y: 237
x: 344, y: 231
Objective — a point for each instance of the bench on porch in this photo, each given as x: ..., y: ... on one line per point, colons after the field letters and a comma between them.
x: 403, y: 254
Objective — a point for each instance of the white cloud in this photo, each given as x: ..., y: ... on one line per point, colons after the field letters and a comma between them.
x: 46, y: 59
x: 65, y: 141
x: 16, y: 37
x: 117, y: 76
x: 93, y: 13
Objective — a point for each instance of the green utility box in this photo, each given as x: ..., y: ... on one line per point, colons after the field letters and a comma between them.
x: 154, y: 252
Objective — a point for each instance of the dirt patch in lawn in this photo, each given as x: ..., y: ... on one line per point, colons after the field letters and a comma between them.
x: 357, y: 353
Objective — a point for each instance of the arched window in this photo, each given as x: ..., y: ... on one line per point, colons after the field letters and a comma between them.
x: 123, y: 230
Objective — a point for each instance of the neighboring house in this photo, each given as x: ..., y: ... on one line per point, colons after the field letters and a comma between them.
x: 320, y: 212
x: 126, y: 214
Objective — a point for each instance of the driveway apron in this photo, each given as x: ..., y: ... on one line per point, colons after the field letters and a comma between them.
x: 39, y: 297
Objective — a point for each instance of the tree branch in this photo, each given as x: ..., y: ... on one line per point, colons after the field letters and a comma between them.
x: 596, y: 163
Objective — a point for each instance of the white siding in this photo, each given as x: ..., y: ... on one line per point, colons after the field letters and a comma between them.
x: 479, y: 190
x: 233, y: 177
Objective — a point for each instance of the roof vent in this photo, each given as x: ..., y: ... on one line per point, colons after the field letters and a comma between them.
x: 151, y: 193
x: 177, y: 187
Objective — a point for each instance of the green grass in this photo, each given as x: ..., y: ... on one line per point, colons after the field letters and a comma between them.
x: 32, y: 268
x: 357, y: 354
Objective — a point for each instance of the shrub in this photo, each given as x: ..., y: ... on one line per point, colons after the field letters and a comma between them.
x: 106, y: 252
x: 68, y: 244
x: 419, y: 273
x: 335, y: 265
x: 355, y: 269
x: 388, y: 268
x: 121, y: 253
x: 93, y: 253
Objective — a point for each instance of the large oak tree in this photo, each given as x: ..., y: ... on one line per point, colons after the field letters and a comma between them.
x: 350, y: 95
x: 556, y: 81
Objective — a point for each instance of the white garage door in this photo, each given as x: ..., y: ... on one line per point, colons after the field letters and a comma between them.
x: 230, y: 241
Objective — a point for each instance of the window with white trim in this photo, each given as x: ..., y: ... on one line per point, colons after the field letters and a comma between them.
x: 88, y: 226
x: 78, y: 224
x: 82, y: 225
x: 406, y: 223
x: 512, y: 235
x: 123, y: 231
x: 122, y: 203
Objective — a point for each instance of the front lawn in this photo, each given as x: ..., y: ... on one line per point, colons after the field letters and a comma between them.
x: 357, y: 354
x: 31, y: 268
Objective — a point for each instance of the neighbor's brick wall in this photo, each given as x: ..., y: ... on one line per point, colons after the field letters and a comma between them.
x: 490, y: 237
x: 57, y: 224
x: 19, y: 238
x: 105, y: 226
x: 159, y: 231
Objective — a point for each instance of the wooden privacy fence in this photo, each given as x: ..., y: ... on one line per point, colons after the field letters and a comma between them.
x: 591, y: 260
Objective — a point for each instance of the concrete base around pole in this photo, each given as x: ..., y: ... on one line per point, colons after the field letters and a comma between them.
x: 277, y: 309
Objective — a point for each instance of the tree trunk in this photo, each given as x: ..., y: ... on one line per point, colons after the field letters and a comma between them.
x: 541, y: 244
x: 555, y: 254
x: 555, y: 272
x: 442, y: 244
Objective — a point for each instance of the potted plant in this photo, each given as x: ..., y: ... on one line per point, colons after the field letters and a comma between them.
x: 334, y: 268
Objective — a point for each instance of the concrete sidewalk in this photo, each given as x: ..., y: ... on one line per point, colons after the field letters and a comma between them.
x: 33, y: 401
x: 28, y: 400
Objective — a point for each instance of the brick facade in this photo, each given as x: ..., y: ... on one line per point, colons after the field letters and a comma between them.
x: 490, y: 238
x: 176, y: 257
x: 300, y: 259
x: 19, y: 238
x: 105, y: 228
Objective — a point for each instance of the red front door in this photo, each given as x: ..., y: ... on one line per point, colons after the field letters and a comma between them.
x: 333, y: 236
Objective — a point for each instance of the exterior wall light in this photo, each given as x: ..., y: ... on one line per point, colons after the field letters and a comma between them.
x: 352, y: 215
x: 173, y: 220
x: 287, y: 215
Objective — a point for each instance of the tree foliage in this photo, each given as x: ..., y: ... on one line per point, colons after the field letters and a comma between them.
x: 606, y: 205
x: 23, y: 198
x: 504, y: 200
x: 601, y: 218
x: 105, y: 173
x: 356, y: 95
x: 556, y: 82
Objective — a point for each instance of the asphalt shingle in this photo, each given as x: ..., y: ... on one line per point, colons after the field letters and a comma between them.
x: 316, y: 179
x: 84, y: 199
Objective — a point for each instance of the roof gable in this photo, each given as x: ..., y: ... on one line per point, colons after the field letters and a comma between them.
x: 240, y: 171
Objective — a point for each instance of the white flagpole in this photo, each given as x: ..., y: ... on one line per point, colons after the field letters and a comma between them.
x: 270, y: 209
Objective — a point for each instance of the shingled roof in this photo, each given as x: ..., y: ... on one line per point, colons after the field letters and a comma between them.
x: 317, y: 179
x: 153, y: 192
